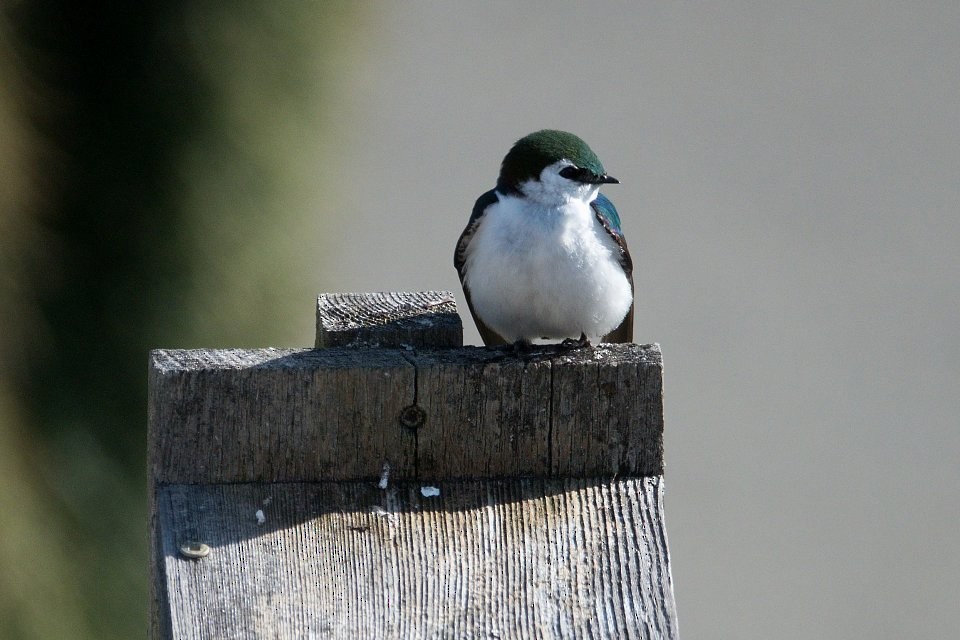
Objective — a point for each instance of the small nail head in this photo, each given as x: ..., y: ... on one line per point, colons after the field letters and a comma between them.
x: 194, y: 550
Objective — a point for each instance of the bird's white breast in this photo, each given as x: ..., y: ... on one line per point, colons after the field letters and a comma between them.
x: 538, y: 271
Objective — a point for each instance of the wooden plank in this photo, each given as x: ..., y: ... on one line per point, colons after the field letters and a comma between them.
x: 516, y: 545
x: 483, y: 417
x: 286, y: 415
x: 415, y: 319
x: 278, y: 415
x: 555, y: 412
x: 607, y: 412
x: 484, y: 559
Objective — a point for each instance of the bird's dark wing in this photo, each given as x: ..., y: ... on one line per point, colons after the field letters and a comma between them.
x: 459, y: 258
x: 608, y: 217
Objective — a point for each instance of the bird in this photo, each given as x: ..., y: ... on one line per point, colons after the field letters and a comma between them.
x: 543, y: 258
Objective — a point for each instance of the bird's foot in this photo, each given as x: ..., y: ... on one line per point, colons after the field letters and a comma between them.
x: 522, y: 347
x: 576, y: 343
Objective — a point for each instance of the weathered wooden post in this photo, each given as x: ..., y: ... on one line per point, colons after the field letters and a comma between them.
x: 393, y: 484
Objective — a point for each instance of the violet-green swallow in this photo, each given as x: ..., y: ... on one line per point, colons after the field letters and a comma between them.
x: 543, y: 257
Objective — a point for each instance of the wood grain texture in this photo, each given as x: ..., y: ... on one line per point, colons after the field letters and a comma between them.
x: 485, y: 559
x: 518, y: 544
x: 552, y: 412
x: 286, y: 415
x: 278, y: 415
x: 417, y: 319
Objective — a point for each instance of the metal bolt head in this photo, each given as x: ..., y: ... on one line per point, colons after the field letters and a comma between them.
x: 194, y: 550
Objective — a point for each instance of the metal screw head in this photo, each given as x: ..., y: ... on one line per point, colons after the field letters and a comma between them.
x: 194, y: 550
x: 412, y: 417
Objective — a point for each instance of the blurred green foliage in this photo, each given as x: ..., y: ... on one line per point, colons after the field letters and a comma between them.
x: 163, y: 177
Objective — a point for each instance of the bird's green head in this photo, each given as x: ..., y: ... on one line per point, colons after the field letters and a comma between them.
x: 570, y: 156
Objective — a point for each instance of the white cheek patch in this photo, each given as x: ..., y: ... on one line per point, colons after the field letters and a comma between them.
x: 552, y: 189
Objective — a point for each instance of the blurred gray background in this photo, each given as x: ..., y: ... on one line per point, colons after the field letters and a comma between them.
x: 790, y: 193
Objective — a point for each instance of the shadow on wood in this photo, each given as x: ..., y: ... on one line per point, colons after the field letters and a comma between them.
x: 563, y: 554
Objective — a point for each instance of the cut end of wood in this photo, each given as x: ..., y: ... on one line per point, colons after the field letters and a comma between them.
x: 415, y: 319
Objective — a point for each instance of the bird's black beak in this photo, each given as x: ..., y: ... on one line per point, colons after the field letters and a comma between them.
x: 586, y: 176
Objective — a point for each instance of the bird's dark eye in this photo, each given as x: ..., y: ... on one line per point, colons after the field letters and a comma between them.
x: 571, y: 172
